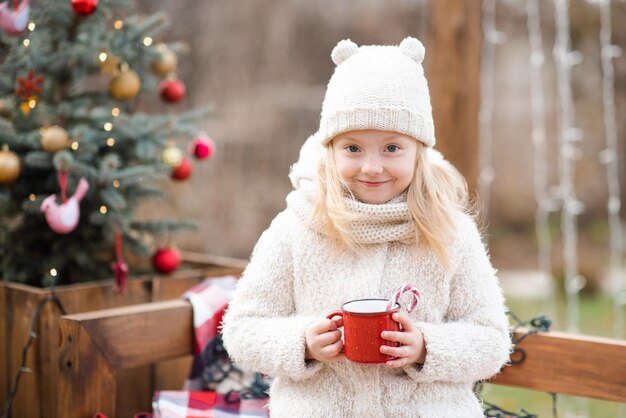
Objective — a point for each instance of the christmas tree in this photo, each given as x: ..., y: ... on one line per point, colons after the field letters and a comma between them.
x: 77, y: 157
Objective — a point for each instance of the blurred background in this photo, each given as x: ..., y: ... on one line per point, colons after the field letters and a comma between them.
x: 265, y: 65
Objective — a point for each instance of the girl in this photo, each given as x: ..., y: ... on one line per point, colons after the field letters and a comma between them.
x: 374, y: 207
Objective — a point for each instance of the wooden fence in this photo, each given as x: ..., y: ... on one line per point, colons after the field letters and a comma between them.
x: 96, y: 346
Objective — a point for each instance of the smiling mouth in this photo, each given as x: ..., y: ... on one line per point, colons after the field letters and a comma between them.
x: 372, y: 183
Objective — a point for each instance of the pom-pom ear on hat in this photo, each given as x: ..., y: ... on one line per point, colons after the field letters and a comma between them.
x: 344, y: 50
x: 413, y: 48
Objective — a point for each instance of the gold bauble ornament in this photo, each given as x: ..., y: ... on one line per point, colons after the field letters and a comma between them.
x: 172, y: 155
x: 9, y: 166
x: 125, y: 85
x: 167, y: 63
x: 54, y: 138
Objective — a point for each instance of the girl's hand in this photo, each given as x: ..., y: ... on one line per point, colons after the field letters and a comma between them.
x: 412, y: 348
x: 323, y: 341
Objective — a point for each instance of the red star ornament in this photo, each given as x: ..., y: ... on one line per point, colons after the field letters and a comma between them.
x: 29, y: 86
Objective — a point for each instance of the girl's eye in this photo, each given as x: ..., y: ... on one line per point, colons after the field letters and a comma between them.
x: 352, y: 148
x: 392, y: 148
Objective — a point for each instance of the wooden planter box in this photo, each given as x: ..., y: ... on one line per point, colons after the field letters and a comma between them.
x: 37, y: 392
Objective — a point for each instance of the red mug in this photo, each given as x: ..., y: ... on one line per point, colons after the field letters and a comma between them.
x: 363, y: 321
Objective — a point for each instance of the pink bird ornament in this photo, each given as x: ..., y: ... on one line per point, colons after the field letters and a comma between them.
x: 63, y: 218
x: 14, y: 21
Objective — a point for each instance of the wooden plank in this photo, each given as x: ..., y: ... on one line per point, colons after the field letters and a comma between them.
x: 170, y: 375
x: 555, y: 362
x: 209, y: 259
x: 134, y: 391
x: 79, y: 298
x: 5, y: 384
x: 86, y: 382
x: 453, y: 70
x: 570, y: 364
x: 132, y: 337
x: 20, y: 308
x: 36, y: 396
x: 46, y: 351
x: 138, y: 335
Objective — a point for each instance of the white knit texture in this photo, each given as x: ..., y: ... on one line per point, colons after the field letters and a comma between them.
x: 293, y: 279
x: 376, y: 223
x: 378, y: 87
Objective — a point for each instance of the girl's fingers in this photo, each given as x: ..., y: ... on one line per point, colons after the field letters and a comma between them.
x: 324, y: 325
x: 338, y: 320
x: 403, y: 351
x: 328, y: 338
x: 404, y: 321
x: 398, y: 337
x: 332, y: 350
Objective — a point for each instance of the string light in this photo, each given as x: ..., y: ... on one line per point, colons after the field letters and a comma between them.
x: 110, y: 141
x: 571, y: 208
x: 103, y: 210
x: 115, y: 111
x: 147, y: 41
x: 108, y: 126
x: 74, y: 145
x: 609, y: 158
x: 53, y: 272
x: 32, y: 197
x: 491, y: 38
x: 26, y: 42
x: 31, y: 26
x: 545, y: 204
x: 118, y: 24
x: 116, y: 184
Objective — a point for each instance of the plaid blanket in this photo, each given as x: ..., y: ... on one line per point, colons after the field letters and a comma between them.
x: 178, y: 404
x: 209, y: 300
x: 213, y: 380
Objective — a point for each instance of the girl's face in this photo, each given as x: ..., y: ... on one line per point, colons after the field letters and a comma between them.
x: 377, y: 165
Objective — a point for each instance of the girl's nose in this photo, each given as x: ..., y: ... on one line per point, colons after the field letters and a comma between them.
x: 372, y: 165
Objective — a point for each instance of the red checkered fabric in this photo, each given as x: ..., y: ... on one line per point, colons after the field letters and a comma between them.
x: 209, y: 300
x: 185, y: 404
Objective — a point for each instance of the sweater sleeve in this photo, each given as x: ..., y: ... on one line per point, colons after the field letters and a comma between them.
x: 260, y: 330
x: 473, y: 343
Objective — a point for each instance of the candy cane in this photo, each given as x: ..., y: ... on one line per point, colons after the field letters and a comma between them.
x: 415, y: 297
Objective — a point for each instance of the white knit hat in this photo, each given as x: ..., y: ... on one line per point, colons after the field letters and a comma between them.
x: 378, y: 87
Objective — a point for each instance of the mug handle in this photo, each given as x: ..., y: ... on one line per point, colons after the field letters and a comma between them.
x: 333, y: 314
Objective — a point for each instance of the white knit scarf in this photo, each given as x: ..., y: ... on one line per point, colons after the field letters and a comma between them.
x: 375, y: 223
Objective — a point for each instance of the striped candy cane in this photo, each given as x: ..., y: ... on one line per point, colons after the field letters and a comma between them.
x: 415, y: 297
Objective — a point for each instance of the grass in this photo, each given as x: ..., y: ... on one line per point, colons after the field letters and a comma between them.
x: 596, y: 318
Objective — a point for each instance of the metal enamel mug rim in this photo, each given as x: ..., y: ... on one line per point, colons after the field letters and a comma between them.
x: 395, y: 307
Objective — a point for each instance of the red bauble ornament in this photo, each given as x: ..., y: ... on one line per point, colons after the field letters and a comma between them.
x: 84, y: 7
x: 183, y: 171
x: 166, y: 260
x: 202, y: 147
x: 172, y: 91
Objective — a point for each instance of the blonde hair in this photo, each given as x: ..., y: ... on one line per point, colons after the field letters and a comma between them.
x: 435, y: 195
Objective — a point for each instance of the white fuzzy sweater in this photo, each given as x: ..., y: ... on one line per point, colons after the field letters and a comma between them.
x: 294, y: 278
